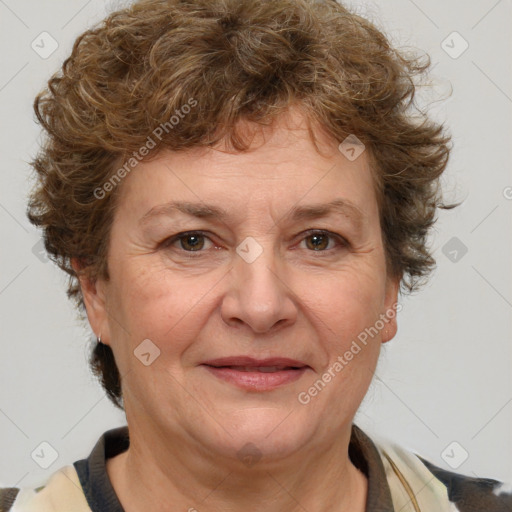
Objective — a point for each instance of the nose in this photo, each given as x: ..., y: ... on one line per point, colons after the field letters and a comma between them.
x: 258, y: 295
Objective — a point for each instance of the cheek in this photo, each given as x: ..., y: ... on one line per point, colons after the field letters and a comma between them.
x: 343, y: 315
x: 143, y: 288
x: 350, y: 300
x: 163, y: 306
x: 352, y: 353
x: 166, y: 309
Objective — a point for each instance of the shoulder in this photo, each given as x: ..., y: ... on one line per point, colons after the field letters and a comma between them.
x: 62, y: 492
x: 417, y: 484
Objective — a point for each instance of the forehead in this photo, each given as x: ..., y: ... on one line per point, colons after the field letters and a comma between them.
x: 282, y: 168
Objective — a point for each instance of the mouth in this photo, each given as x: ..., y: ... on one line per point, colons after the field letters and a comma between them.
x: 253, y: 374
x: 263, y: 369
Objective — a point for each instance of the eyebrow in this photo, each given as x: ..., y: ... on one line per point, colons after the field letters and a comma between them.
x: 308, y: 212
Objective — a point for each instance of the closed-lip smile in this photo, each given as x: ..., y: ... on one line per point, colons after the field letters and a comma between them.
x: 254, y: 374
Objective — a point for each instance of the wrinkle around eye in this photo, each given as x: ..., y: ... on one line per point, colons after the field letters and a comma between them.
x: 336, y: 244
x: 168, y: 244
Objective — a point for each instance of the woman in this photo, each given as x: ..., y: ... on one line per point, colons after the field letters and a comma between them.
x: 239, y: 193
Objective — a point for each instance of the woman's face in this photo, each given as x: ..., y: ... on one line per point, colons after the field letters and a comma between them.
x: 192, y: 320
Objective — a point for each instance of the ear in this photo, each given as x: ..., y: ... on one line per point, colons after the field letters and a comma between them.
x: 94, y: 294
x: 391, y: 308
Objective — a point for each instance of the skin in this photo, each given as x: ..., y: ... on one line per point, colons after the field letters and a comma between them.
x: 186, y: 425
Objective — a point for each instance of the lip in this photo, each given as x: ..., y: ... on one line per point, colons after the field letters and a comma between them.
x: 251, y: 361
x: 238, y: 371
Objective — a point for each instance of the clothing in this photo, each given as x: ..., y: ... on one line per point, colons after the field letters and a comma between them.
x: 398, y: 481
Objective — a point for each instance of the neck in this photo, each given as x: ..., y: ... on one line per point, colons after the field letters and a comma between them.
x: 155, y: 474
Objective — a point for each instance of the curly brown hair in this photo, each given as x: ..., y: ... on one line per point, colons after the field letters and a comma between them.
x: 238, y: 60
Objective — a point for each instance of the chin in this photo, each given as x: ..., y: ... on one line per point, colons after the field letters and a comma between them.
x: 258, y: 433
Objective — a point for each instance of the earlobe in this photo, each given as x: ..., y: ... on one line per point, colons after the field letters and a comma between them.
x: 389, y: 331
x: 94, y: 296
x: 391, y: 308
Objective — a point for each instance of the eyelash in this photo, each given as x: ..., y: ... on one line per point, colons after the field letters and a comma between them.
x: 341, y: 241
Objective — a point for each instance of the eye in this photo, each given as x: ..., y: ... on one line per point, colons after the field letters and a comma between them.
x: 316, y: 240
x: 319, y: 240
x: 191, y: 241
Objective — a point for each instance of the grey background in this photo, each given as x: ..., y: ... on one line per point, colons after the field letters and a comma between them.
x: 445, y: 377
